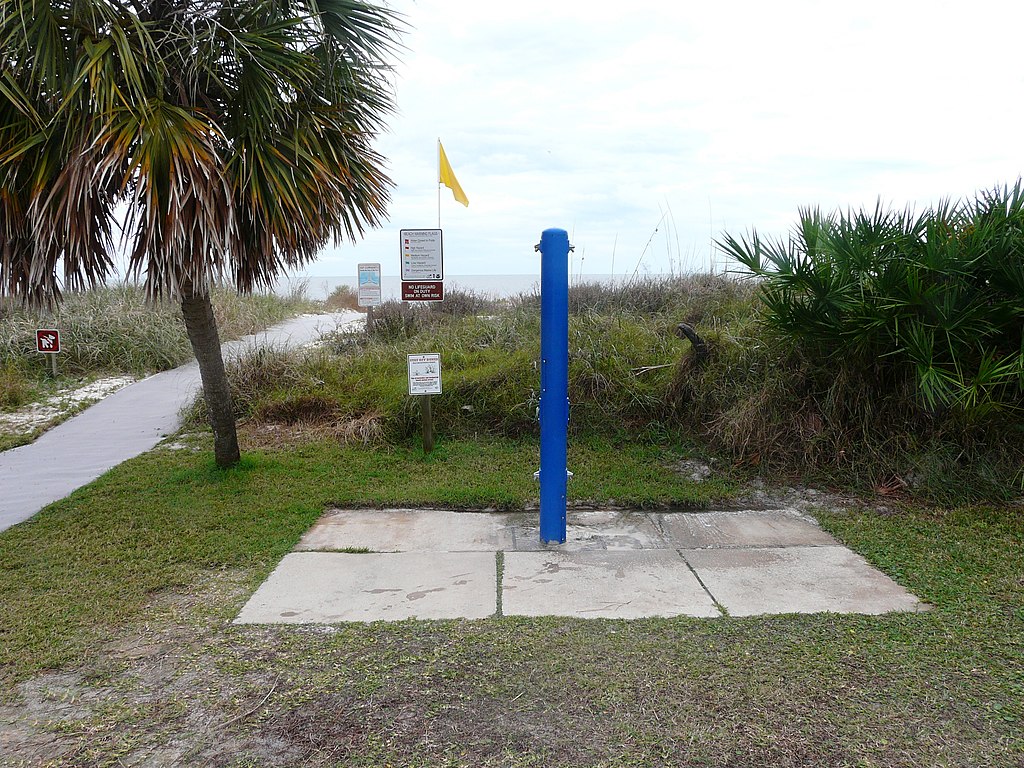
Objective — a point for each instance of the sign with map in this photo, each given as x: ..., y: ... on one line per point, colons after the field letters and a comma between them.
x: 369, y: 285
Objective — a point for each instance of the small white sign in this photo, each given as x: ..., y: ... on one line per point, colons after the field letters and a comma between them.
x: 369, y: 285
x: 422, y: 257
x: 425, y: 374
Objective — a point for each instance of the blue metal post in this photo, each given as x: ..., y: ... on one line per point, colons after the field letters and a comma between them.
x: 554, y: 382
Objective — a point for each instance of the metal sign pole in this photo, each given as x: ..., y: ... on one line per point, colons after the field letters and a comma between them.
x: 554, y: 382
x: 428, y: 423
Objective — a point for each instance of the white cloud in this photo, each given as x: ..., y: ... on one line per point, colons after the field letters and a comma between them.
x: 732, y: 114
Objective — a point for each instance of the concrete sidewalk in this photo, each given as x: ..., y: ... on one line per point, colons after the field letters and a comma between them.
x: 129, y: 422
x: 371, y: 565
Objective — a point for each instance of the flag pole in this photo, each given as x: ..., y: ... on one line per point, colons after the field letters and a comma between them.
x: 438, y: 182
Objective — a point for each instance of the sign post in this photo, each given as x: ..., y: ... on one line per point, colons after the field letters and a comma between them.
x: 422, y: 265
x: 48, y: 343
x: 424, y: 381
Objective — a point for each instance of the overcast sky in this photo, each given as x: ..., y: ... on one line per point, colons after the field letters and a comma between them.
x: 613, y: 120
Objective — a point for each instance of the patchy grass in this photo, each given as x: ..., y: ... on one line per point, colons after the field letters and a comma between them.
x: 115, y: 603
x: 115, y: 608
x: 147, y: 525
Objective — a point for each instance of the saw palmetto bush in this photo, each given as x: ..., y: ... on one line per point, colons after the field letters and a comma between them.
x: 886, y: 350
x: 933, y: 303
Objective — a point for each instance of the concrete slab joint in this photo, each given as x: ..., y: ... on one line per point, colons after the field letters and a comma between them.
x: 442, y: 564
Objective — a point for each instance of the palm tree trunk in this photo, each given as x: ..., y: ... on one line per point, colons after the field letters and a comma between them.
x: 202, y: 333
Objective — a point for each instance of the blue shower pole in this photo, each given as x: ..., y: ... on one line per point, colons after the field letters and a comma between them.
x: 554, y: 382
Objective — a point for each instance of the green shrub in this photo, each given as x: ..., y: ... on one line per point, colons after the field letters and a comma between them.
x: 886, y: 352
x: 16, y: 388
x: 398, y: 320
x: 937, y: 299
x: 343, y: 297
x: 460, y: 302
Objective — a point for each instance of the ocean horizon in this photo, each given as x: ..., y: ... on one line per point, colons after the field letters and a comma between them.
x: 495, y: 286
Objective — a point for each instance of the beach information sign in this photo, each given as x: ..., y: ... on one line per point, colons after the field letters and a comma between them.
x: 369, y: 285
x: 422, y: 265
x: 425, y: 374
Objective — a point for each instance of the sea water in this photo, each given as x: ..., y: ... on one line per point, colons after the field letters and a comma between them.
x: 494, y: 286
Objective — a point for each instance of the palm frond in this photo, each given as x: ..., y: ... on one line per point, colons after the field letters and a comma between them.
x: 238, y: 136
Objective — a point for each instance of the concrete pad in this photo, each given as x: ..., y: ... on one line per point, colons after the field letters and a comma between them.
x: 407, y: 530
x: 602, y: 584
x: 611, y: 530
x: 326, y: 587
x: 749, y: 582
x: 775, y: 528
x: 616, y: 564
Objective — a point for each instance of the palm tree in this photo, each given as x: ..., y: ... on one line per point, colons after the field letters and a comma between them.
x: 209, y: 140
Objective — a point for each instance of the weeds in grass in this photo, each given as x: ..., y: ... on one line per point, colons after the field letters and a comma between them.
x: 767, y: 405
x: 463, y: 302
x: 620, y: 364
x: 15, y: 386
x: 397, y: 320
x: 136, y: 639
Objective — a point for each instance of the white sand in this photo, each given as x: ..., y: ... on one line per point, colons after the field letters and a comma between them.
x: 55, y: 407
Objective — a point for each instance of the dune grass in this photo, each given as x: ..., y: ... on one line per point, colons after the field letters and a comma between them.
x: 755, y: 399
x: 113, y: 331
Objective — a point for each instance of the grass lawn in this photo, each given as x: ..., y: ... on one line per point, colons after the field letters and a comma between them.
x: 116, y: 646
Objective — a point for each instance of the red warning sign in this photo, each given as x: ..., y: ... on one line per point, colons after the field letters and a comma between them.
x: 48, y: 340
x: 432, y: 290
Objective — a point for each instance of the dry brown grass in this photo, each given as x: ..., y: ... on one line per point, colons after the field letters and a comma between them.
x: 344, y: 297
x: 271, y: 435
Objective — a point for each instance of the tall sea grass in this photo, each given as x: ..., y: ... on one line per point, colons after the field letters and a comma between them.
x: 621, y: 361
x: 113, y: 329
x: 760, y: 403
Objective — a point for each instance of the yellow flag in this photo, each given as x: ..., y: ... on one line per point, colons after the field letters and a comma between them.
x: 447, y: 177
